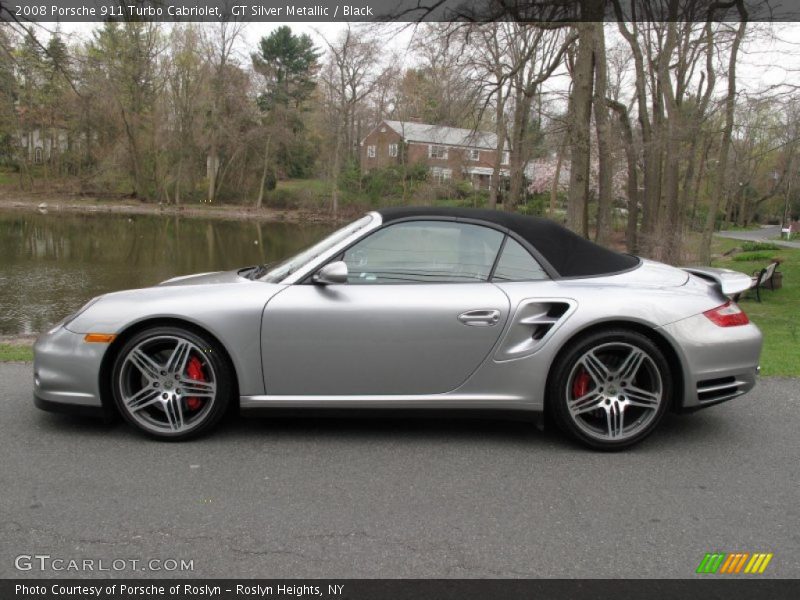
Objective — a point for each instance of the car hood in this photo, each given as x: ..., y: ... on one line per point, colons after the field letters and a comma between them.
x: 206, y: 278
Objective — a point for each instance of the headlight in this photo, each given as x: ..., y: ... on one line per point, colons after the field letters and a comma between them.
x: 76, y: 314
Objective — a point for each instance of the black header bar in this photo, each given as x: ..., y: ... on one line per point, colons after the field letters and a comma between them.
x: 283, y: 11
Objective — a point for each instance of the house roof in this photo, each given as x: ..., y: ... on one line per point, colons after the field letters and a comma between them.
x: 425, y: 133
x: 569, y: 254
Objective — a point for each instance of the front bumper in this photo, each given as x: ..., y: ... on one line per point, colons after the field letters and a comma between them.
x: 719, y: 363
x: 66, y: 373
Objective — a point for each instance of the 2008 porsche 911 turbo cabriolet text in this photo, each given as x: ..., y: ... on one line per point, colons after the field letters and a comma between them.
x: 415, y: 308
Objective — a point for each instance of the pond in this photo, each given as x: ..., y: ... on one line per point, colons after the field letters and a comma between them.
x: 50, y: 264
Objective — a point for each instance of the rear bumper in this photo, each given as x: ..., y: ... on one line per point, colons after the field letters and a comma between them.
x: 719, y: 363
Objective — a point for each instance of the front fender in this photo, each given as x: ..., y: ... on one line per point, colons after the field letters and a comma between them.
x: 230, y: 312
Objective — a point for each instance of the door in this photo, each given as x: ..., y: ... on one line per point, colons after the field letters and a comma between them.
x: 417, y: 316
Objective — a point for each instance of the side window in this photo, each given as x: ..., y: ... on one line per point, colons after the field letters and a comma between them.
x: 424, y: 252
x: 517, y: 264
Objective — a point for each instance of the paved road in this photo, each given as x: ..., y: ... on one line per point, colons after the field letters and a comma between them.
x: 387, y: 498
x: 762, y: 234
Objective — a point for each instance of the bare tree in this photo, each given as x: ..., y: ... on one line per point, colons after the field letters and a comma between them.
x: 725, y: 144
x: 352, y: 72
x: 220, y: 48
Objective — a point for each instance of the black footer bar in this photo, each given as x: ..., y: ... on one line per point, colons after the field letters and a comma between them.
x: 398, y: 589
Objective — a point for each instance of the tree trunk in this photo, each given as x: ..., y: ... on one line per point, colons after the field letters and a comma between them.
x: 335, y: 175
x: 632, y: 182
x: 557, y: 178
x: 138, y: 183
x: 650, y: 155
x: 212, y: 172
x: 178, y: 181
x: 260, y: 201
x: 581, y: 113
x: 605, y: 190
x: 730, y: 100
x: 519, y: 153
x: 500, y: 129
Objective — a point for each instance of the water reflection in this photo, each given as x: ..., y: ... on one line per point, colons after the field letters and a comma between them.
x: 52, y: 263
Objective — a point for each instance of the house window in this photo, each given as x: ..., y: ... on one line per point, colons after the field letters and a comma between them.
x: 474, y: 154
x: 37, y: 156
x: 440, y: 175
x: 504, y: 160
x: 393, y: 150
x: 437, y: 152
x: 370, y: 151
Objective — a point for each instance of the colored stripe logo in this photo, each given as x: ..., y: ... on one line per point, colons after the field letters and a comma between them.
x: 732, y: 563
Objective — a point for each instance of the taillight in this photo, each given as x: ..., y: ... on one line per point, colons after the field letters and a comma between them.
x: 727, y: 315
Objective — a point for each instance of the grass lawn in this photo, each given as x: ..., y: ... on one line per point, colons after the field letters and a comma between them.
x: 778, y: 314
x: 16, y: 352
x: 316, y: 186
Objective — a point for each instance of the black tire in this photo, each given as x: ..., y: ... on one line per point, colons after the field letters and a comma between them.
x: 213, y: 364
x: 565, y: 390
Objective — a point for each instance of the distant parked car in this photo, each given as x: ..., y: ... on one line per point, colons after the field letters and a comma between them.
x: 415, y: 308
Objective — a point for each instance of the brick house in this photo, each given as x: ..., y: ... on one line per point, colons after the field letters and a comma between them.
x: 448, y: 152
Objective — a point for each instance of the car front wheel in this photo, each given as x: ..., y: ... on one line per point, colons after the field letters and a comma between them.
x: 610, y: 389
x: 171, y: 383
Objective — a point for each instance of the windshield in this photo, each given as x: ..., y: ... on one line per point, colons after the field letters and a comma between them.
x: 290, y: 265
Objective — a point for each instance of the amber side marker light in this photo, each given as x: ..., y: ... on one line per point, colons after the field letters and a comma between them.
x: 99, y: 338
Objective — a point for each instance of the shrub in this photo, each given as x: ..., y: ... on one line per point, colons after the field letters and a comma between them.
x: 417, y: 172
x: 753, y: 256
x: 271, y: 180
x: 757, y: 246
x: 463, y: 189
x: 282, y: 198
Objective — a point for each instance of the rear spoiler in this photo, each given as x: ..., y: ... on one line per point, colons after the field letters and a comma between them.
x: 729, y: 282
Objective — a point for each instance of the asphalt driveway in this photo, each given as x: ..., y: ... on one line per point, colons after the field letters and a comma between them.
x: 343, y: 498
x: 765, y: 233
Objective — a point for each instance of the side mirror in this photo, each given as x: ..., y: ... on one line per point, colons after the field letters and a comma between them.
x: 335, y: 272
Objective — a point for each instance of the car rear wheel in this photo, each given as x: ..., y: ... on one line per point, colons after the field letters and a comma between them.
x: 171, y: 383
x: 610, y: 389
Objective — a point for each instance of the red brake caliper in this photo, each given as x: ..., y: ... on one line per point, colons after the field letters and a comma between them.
x: 580, y: 385
x: 194, y: 370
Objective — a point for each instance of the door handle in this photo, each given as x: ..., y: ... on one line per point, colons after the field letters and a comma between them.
x: 480, y: 318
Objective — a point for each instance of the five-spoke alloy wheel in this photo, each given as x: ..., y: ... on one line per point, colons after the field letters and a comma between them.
x: 171, y: 383
x: 610, y: 389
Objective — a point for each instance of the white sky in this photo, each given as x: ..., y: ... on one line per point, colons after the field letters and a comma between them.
x: 773, y: 59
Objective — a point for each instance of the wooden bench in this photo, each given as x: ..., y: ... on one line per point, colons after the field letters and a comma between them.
x: 763, y: 278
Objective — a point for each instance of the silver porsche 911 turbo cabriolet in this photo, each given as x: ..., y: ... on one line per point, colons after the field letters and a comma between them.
x: 414, y: 308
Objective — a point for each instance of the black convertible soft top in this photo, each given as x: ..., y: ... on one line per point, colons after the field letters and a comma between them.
x: 568, y: 253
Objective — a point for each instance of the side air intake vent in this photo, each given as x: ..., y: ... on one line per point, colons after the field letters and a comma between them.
x: 533, y: 321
